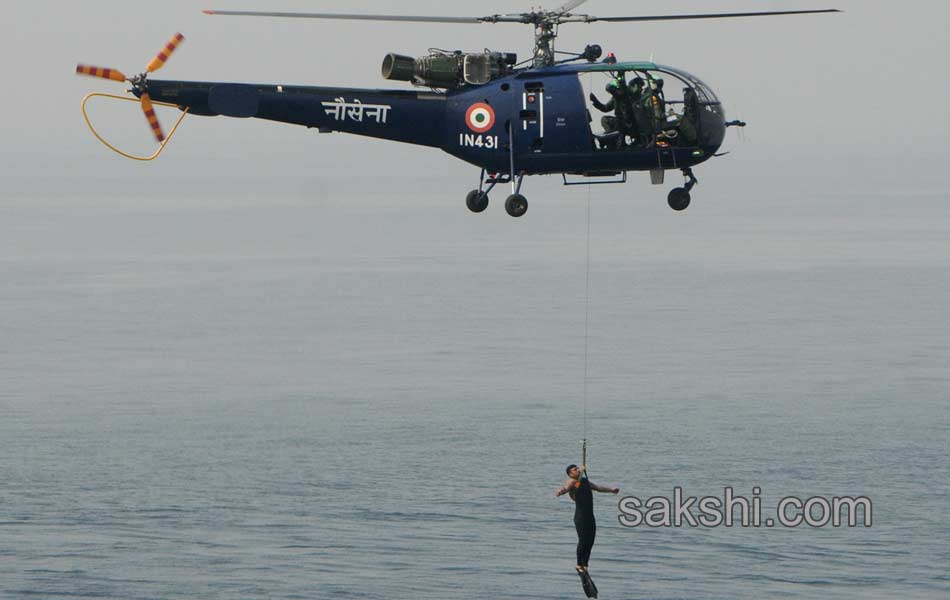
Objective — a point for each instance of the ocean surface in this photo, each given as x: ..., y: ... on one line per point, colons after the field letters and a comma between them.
x: 375, y: 397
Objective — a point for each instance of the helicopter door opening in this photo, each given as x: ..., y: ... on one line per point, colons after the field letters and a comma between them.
x: 634, y: 109
x: 531, y: 118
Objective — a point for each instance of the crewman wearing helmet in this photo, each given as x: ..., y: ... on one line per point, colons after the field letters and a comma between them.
x: 640, y: 118
x: 653, y: 103
x: 688, y: 122
x: 622, y: 120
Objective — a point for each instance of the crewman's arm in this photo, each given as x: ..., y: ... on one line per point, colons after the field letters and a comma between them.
x: 600, y: 105
x: 566, y: 489
x: 606, y: 490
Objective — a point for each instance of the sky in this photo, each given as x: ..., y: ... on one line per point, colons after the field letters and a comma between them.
x: 850, y: 102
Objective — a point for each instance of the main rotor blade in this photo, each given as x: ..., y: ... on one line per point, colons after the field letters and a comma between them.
x: 568, y: 6
x: 345, y: 16
x: 588, y: 19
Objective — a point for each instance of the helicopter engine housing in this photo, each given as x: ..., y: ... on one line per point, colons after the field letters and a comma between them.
x: 449, y: 70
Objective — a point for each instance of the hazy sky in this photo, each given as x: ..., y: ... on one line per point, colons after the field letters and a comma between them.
x: 856, y: 100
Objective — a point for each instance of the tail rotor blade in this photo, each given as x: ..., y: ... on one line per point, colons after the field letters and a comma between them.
x: 149, y: 111
x: 160, y: 58
x: 113, y: 74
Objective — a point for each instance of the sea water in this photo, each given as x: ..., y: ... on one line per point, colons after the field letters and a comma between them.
x: 376, y: 398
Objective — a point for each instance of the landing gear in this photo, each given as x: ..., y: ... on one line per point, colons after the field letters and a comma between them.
x: 476, y: 201
x: 679, y: 198
x: 516, y: 205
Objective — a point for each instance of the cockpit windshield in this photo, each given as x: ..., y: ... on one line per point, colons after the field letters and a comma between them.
x: 703, y: 91
x: 646, y: 105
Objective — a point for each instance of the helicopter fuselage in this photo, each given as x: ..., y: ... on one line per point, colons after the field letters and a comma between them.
x: 530, y: 122
x: 484, y: 109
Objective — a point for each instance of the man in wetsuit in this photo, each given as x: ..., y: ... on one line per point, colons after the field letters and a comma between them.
x: 581, y: 491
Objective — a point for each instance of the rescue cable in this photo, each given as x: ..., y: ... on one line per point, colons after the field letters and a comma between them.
x: 586, y: 331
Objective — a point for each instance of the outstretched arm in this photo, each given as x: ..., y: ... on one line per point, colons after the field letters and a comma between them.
x: 605, y: 490
x: 600, y: 105
x: 566, y: 489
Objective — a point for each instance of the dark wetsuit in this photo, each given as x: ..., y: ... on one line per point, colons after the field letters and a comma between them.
x: 584, y: 521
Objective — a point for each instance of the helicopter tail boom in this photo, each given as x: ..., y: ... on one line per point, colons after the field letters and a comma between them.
x: 402, y: 116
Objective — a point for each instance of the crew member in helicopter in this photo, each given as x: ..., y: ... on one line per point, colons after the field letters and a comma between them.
x: 653, y: 103
x: 622, y: 121
x: 639, y: 117
x: 688, y: 133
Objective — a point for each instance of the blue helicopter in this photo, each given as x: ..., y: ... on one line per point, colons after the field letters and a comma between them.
x: 510, y: 119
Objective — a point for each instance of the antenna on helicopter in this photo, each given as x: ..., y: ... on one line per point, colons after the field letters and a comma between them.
x: 740, y: 126
x: 546, y: 22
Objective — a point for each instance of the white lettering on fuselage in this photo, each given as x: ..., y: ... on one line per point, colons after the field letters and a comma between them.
x: 470, y: 140
x: 341, y: 110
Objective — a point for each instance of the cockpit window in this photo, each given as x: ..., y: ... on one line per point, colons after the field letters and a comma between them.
x: 703, y: 91
x: 646, y: 108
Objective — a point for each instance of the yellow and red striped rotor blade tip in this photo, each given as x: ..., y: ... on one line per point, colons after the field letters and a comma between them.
x: 149, y: 111
x: 113, y: 74
x: 160, y: 58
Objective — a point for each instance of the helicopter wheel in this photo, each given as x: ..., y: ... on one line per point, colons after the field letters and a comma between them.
x: 476, y: 201
x: 516, y: 205
x: 678, y: 199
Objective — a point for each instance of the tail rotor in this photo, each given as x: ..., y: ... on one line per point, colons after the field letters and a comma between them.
x: 139, y: 82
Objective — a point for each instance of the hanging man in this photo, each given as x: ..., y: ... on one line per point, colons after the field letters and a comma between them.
x: 581, y: 491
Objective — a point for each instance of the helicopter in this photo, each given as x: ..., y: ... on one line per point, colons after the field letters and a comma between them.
x: 511, y: 119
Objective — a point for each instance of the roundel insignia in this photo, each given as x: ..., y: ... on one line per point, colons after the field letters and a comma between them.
x: 480, y: 117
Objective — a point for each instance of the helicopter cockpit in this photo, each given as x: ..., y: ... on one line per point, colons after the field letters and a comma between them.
x: 643, y: 105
